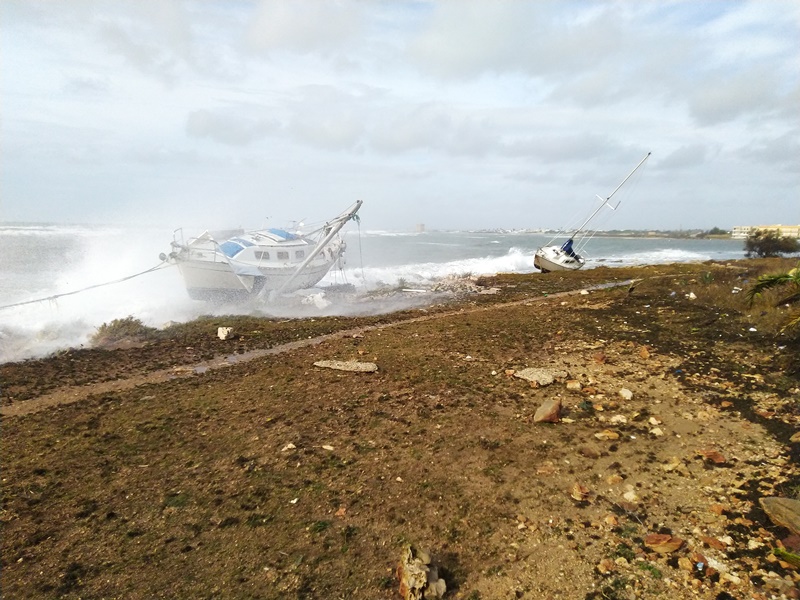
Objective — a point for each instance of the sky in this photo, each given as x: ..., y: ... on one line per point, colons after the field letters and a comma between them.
x: 455, y: 114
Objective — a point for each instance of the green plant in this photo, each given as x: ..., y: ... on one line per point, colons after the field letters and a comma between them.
x: 258, y: 520
x: 625, y: 551
x: 122, y: 329
x: 348, y: 533
x: 176, y: 500
x: 654, y: 571
x: 319, y: 526
x: 790, y: 279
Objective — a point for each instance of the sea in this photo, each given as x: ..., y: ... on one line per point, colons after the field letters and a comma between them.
x: 59, y: 283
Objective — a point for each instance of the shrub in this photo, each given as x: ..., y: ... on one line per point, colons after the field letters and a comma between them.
x: 765, y: 244
x: 129, y: 328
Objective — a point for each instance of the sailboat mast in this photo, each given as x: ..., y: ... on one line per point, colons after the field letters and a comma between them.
x: 605, y: 201
x: 336, y: 225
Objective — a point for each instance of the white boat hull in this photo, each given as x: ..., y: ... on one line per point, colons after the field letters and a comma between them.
x: 217, y: 281
x: 553, y: 258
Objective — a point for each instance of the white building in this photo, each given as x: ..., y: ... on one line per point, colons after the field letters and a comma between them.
x: 744, y: 231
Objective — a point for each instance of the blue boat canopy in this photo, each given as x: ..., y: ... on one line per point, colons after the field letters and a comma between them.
x: 232, y: 247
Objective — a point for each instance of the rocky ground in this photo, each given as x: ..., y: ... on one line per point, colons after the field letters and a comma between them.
x: 180, y: 465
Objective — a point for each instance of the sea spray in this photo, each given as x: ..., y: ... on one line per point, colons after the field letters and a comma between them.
x: 42, y: 261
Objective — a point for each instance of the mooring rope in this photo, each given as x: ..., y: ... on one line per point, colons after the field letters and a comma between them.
x: 160, y: 265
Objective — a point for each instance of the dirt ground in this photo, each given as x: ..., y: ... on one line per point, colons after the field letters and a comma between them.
x: 185, y: 466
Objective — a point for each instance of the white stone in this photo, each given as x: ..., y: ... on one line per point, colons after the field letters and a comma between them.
x: 347, y: 365
x: 540, y: 377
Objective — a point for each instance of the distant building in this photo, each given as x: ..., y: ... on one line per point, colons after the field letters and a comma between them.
x: 420, y: 227
x: 741, y: 232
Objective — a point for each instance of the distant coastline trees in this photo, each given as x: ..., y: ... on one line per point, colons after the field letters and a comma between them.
x: 765, y: 244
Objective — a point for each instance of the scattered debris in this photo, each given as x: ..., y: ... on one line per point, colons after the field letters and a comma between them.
x: 225, y: 333
x: 418, y: 578
x: 607, y: 434
x: 712, y: 456
x: 580, y: 492
x: 663, y: 543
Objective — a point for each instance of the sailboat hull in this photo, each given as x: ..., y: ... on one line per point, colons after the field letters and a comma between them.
x: 553, y: 258
x: 217, y: 282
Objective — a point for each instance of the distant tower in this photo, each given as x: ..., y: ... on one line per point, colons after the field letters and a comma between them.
x: 420, y: 227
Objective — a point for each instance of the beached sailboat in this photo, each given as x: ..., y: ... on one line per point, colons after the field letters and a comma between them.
x: 235, y: 265
x: 568, y: 256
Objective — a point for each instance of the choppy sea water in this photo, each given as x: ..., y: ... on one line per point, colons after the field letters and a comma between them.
x: 43, y: 261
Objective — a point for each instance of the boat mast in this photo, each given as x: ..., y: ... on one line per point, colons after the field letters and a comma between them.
x: 605, y: 200
x: 337, y: 224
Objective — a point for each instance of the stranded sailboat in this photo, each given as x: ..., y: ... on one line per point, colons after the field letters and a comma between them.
x: 236, y: 265
x: 566, y: 257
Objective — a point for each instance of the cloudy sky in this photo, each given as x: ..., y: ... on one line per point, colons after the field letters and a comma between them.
x: 456, y: 114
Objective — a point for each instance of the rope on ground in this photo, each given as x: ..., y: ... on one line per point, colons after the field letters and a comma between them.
x: 160, y: 265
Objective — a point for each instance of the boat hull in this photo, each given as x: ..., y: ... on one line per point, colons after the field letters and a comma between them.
x: 218, y: 282
x: 553, y: 258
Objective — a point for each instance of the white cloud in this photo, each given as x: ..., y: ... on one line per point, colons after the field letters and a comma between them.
x: 460, y: 110
x: 691, y: 156
x: 310, y: 26
x: 229, y: 128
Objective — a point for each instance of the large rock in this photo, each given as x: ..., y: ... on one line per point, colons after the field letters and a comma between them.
x: 548, y: 412
x: 347, y: 365
x: 540, y: 377
x: 783, y: 511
